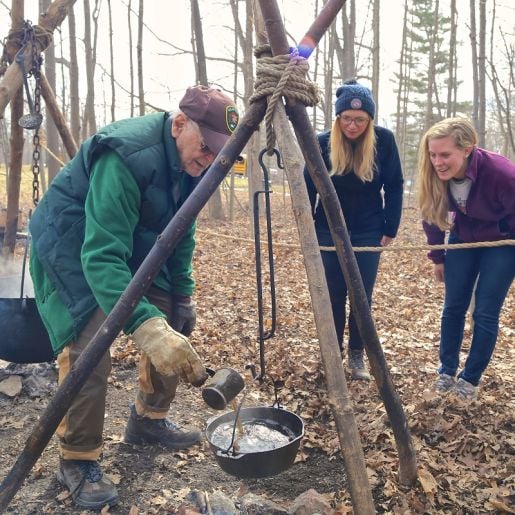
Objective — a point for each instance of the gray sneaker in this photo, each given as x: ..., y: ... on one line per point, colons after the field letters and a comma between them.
x: 88, y: 485
x: 465, y: 391
x: 444, y: 383
x: 356, y: 365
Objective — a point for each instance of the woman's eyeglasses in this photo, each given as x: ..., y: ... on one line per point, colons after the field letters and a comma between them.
x: 359, y: 121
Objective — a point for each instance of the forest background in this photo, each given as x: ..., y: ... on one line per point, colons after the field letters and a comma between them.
x: 424, y: 60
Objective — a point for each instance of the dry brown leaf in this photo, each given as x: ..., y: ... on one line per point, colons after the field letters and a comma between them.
x: 499, y: 505
x: 427, y: 481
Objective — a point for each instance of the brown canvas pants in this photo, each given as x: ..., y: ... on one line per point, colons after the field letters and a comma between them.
x: 80, y: 431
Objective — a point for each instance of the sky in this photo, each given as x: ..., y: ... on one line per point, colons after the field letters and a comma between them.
x: 166, y: 76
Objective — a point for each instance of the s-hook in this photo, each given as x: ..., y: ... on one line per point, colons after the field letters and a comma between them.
x: 264, y: 335
x: 34, y: 119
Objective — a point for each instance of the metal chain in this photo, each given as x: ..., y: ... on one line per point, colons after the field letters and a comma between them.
x: 36, y: 153
x: 35, y: 71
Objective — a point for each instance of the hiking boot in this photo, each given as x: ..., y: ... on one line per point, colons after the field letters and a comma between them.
x: 444, y: 383
x: 465, y: 391
x: 144, y: 430
x: 356, y: 365
x: 88, y: 486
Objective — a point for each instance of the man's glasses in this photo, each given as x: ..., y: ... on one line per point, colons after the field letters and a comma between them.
x: 204, y: 148
x: 360, y: 121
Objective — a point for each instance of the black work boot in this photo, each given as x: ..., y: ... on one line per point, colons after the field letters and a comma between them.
x: 144, y: 430
x: 88, y: 485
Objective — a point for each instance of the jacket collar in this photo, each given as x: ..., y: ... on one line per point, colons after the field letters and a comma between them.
x: 172, y: 154
x: 471, y: 171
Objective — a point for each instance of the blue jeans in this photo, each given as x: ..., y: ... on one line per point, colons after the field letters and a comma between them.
x: 368, y: 263
x: 494, y: 269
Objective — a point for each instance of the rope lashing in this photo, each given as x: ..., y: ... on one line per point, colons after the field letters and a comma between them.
x: 14, y: 40
x: 277, y: 76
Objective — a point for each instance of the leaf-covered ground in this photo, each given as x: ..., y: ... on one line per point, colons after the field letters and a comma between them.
x: 465, y: 452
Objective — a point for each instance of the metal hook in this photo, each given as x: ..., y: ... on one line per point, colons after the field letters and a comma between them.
x: 32, y: 120
x: 277, y: 155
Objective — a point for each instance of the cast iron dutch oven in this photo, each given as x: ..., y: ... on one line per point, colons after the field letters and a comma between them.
x: 264, y: 463
x: 23, y: 337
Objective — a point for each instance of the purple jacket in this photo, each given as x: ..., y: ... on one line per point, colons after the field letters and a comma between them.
x: 490, y: 208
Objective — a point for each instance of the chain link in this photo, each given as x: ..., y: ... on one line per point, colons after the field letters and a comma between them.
x: 35, y: 70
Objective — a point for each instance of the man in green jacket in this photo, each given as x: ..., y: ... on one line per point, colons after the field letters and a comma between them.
x: 90, y: 232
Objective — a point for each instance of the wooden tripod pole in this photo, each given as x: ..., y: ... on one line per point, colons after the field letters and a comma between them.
x: 308, y: 143
x: 339, y: 398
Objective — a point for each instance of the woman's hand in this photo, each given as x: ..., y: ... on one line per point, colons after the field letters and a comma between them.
x: 438, y: 271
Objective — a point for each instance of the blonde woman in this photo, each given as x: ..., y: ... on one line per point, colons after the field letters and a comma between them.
x: 363, y: 161
x: 477, y: 188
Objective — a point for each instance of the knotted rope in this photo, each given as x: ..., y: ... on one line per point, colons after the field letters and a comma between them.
x: 15, y: 39
x: 277, y: 76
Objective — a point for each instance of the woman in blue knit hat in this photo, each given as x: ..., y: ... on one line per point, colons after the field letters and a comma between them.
x: 364, y: 165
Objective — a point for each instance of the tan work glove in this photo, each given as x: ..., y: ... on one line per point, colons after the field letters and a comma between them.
x: 169, y: 351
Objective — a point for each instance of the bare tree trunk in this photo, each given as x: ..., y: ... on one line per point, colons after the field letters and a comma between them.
x: 139, y: 50
x: 482, y: 74
x: 431, y: 69
x: 475, y: 77
x: 349, y: 35
x: 197, y: 42
x: 89, y: 126
x: 452, y: 82
x: 52, y: 138
x: 376, y: 53
x: 74, y: 80
x: 329, y: 51
x: 214, y: 205
x: 57, y: 117
x: 111, y: 59
x: 401, y: 115
x: 232, y: 190
x: 315, y: 77
x: 16, y: 153
x: 131, y: 58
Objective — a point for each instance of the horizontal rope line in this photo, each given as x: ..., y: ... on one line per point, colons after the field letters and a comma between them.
x: 390, y: 248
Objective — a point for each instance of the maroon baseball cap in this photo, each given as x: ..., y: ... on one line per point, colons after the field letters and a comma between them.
x: 214, y: 112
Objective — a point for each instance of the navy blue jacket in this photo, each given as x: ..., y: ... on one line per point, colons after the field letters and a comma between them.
x: 374, y: 206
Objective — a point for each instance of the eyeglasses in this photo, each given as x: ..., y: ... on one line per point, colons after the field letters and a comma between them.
x: 204, y: 148
x: 360, y: 121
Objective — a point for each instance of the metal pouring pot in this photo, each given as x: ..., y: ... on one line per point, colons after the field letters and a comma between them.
x: 222, y: 387
x: 264, y: 463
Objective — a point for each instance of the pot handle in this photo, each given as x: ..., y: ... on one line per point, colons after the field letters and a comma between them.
x: 222, y: 454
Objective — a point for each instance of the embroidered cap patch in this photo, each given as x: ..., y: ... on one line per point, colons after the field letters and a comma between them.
x: 231, y: 118
x: 355, y: 103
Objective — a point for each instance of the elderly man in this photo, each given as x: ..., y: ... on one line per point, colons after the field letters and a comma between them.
x: 90, y: 232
